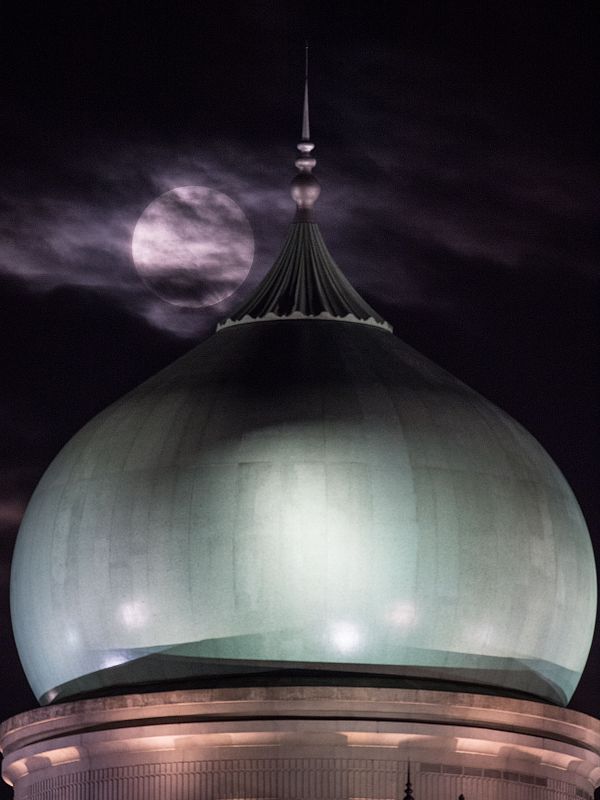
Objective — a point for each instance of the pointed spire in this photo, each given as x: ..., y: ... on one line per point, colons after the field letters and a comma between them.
x: 305, y: 119
x: 408, y: 795
x: 305, y: 187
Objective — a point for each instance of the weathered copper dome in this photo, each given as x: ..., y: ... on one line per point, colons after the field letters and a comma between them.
x: 303, y: 493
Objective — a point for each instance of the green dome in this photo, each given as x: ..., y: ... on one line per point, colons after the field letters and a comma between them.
x: 303, y: 494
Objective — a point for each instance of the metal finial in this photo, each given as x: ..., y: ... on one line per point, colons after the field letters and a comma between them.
x: 305, y: 187
x: 305, y: 120
x: 409, y: 792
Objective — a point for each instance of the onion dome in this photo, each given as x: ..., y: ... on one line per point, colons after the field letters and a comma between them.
x: 303, y: 498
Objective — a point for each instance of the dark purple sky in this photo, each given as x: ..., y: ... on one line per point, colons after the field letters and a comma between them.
x: 457, y: 156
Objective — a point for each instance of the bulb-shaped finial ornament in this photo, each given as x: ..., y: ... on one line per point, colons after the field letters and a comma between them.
x: 305, y: 187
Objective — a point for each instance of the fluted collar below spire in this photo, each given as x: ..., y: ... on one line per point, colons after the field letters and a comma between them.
x: 305, y: 283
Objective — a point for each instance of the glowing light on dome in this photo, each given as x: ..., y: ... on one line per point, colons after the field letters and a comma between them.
x: 484, y: 635
x: 114, y: 660
x: 345, y: 637
x: 404, y: 615
x: 134, y: 614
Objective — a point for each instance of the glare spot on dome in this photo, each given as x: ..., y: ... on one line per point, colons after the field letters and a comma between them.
x: 482, y: 635
x: 114, y: 659
x: 404, y: 615
x: 72, y: 637
x: 345, y: 637
x: 134, y: 614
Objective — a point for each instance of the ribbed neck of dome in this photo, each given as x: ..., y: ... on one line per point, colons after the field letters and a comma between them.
x: 305, y: 283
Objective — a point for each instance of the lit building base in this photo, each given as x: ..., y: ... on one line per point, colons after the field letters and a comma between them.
x: 301, y: 742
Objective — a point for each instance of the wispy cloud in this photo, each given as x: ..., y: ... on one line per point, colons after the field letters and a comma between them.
x: 427, y: 171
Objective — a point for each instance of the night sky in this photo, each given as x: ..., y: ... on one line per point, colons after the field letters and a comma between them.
x: 456, y: 152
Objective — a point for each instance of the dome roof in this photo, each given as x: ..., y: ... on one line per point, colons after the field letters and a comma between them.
x: 305, y: 492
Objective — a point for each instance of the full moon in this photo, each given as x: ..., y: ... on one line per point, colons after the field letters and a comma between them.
x: 193, y: 246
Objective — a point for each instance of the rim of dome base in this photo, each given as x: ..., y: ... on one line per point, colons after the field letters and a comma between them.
x: 298, y: 315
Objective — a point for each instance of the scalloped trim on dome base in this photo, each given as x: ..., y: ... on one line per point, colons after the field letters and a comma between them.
x: 324, y: 315
x: 305, y: 283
